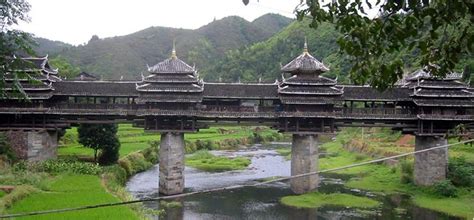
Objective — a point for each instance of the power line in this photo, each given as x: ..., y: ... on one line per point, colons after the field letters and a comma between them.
x: 226, y: 188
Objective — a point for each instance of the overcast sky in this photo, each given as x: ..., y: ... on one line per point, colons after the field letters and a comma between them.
x: 75, y: 21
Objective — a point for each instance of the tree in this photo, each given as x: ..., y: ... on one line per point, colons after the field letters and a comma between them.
x: 439, y: 31
x: 68, y: 71
x: 13, y: 41
x: 103, y: 138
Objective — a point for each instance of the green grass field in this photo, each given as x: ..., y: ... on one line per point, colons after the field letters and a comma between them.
x: 206, y: 161
x: 70, y: 190
x: 381, y: 178
x: 316, y: 200
x: 134, y: 139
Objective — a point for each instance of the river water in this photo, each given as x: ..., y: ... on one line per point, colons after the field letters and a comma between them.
x: 263, y: 202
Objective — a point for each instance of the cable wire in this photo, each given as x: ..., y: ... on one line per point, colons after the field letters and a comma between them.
x: 43, y: 212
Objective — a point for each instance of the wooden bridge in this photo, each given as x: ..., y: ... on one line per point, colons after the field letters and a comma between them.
x: 173, y: 100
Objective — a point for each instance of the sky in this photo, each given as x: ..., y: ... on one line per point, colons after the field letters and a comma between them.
x: 75, y: 21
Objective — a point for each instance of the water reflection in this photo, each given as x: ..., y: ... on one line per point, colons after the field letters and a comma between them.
x: 263, y: 202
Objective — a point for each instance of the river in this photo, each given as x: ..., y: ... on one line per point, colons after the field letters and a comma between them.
x: 263, y: 202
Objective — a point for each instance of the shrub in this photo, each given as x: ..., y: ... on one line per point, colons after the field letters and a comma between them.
x: 406, y: 168
x: 18, y: 193
x: 57, y: 166
x: 5, y: 149
x: 445, y: 188
x: 460, y: 172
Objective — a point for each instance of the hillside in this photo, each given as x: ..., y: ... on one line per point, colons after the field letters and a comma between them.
x: 262, y: 60
x: 44, y: 46
x: 128, y: 55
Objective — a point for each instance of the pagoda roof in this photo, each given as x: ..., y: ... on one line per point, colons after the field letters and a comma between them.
x: 425, y: 74
x: 168, y: 87
x: 437, y: 84
x: 442, y: 93
x: 241, y: 90
x: 305, y: 63
x: 170, y: 66
x: 310, y: 90
x: 445, y: 102
x: 168, y: 78
x: 40, y: 63
x: 301, y: 80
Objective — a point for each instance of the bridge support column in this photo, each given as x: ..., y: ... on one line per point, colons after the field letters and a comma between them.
x: 171, y: 163
x: 430, y: 166
x: 33, y: 145
x: 304, y: 159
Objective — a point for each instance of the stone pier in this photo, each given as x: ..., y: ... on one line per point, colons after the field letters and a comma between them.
x: 430, y: 166
x: 33, y: 145
x: 304, y: 159
x: 171, y: 163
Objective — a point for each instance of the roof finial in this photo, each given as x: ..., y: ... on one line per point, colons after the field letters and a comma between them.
x: 173, y: 53
x: 305, y: 49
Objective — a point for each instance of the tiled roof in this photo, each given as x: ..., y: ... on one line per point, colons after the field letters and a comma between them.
x: 171, y: 65
x: 421, y: 92
x: 169, y: 97
x: 95, y: 88
x: 367, y: 93
x: 305, y: 63
x: 310, y: 90
x: 445, y: 102
x: 240, y: 90
x: 168, y: 78
x: 168, y: 87
x: 301, y: 80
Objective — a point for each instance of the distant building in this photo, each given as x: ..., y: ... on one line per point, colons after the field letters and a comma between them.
x: 83, y: 76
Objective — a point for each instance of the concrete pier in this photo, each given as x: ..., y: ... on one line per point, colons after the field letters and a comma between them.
x: 430, y: 166
x: 304, y: 159
x: 171, y: 163
x: 33, y: 145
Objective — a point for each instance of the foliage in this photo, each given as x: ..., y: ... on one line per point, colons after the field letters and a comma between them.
x: 67, y: 70
x: 134, y: 163
x: 62, y: 166
x: 440, y: 31
x: 445, y: 188
x: 316, y: 200
x: 17, y: 194
x: 100, y: 137
x: 77, y: 190
x: 5, y: 148
x: 204, y: 160
x: 13, y: 42
x: 406, y: 171
x: 460, y: 172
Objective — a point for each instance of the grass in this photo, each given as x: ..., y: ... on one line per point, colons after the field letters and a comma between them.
x: 133, y: 139
x: 71, y: 190
x: 284, y: 152
x: 316, y: 200
x: 206, y: 161
x: 2, y: 193
x: 381, y: 178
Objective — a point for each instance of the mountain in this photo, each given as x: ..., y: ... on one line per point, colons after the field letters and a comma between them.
x: 261, y: 61
x: 129, y: 55
x: 44, y: 46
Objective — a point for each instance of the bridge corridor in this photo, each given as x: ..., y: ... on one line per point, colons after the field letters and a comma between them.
x: 172, y: 100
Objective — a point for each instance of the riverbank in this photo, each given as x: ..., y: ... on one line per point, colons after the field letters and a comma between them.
x: 139, y: 152
x: 353, y: 146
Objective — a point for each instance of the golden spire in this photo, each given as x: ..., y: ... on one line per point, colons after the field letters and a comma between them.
x: 305, y: 49
x: 173, y: 53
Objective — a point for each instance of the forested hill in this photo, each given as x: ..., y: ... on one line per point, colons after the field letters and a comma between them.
x: 128, y: 55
